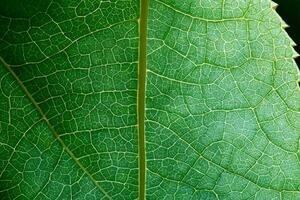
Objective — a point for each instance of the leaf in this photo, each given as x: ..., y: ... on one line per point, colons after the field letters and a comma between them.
x: 214, y: 115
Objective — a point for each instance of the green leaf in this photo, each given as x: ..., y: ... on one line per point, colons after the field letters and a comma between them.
x: 214, y: 114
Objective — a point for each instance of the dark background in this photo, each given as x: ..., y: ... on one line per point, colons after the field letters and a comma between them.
x: 289, y: 10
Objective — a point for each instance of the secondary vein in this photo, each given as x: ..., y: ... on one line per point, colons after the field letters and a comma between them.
x: 51, y: 128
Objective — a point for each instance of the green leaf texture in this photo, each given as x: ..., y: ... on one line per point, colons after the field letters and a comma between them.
x: 221, y: 112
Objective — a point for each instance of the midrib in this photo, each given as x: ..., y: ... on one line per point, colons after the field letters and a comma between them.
x: 141, y: 95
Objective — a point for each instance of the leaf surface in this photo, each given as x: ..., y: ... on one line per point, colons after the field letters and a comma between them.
x: 219, y: 119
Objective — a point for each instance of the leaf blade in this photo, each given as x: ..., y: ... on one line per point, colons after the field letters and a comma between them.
x: 221, y: 100
x: 216, y: 121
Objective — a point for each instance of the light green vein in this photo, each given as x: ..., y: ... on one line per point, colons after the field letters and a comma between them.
x: 141, y: 95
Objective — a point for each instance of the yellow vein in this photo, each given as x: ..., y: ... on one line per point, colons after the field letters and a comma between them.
x: 51, y: 128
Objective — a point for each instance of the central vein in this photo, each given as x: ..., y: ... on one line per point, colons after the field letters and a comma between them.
x: 141, y: 95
